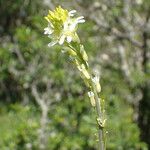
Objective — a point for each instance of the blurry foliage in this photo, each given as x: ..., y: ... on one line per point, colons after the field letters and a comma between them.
x: 25, y: 58
x: 17, y: 126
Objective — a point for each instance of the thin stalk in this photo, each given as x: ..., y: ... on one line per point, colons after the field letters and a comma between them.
x: 99, y: 112
x: 99, y: 116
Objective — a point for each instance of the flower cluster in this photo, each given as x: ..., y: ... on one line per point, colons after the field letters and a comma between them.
x: 62, y: 26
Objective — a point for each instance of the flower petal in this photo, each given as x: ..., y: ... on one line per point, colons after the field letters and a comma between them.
x: 48, y: 31
x: 73, y: 26
x: 66, y: 25
x: 69, y: 39
x: 71, y: 13
x: 81, y: 17
x: 81, y: 21
x: 62, y: 39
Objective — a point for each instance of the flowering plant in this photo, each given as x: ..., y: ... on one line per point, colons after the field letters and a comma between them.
x: 61, y: 29
x: 62, y: 26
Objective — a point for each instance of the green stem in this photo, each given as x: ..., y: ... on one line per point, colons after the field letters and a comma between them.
x: 99, y: 116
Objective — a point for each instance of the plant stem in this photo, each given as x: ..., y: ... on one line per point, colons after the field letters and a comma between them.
x: 99, y: 116
x: 98, y: 105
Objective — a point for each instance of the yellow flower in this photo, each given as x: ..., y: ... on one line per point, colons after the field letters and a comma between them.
x: 62, y: 26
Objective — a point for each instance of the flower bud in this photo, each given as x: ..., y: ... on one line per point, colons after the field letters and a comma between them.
x: 92, y: 99
x: 84, y: 71
x: 98, y: 87
x: 97, y: 84
x: 83, y: 53
x: 72, y: 52
x: 76, y: 38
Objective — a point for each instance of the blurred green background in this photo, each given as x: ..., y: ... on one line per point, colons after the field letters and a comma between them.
x: 43, y: 101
